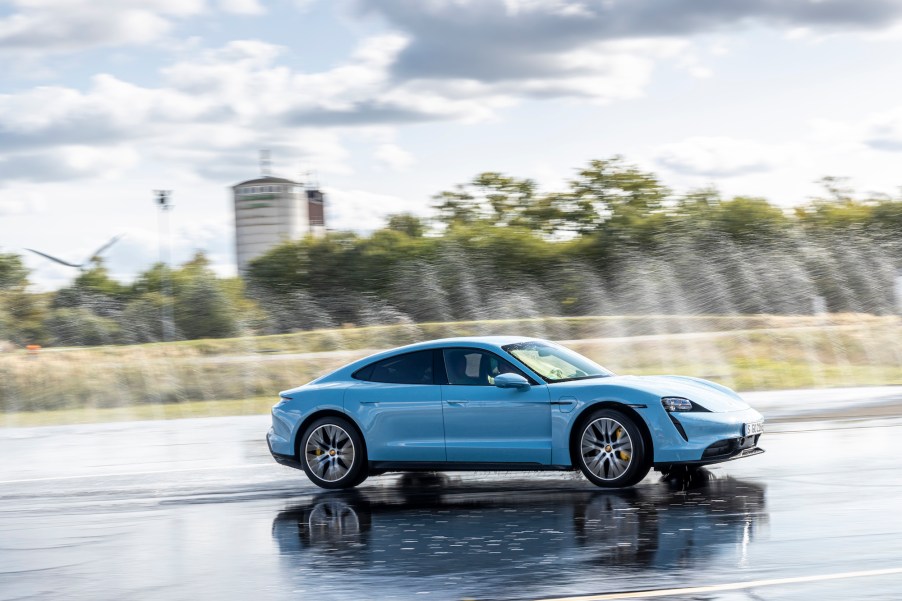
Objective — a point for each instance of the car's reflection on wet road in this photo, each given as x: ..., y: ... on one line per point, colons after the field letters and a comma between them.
x: 519, y: 535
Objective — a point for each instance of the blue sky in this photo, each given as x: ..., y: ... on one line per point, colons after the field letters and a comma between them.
x: 390, y: 101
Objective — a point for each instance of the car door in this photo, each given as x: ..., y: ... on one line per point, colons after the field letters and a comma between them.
x: 487, y: 424
x: 398, y: 406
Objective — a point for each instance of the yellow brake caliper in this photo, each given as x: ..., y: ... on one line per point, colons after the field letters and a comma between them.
x: 618, y: 434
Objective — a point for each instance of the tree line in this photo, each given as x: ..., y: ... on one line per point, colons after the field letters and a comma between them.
x: 615, y: 241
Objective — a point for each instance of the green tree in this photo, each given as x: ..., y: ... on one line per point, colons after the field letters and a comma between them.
x: 407, y: 223
x: 21, y: 312
x: 13, y: 273
x: 886, y: 217
x: 836, y: 209
x: 750, y: 219
x: 457, y: 206
x: 142, y: 319
x: 628, y: 201
x: 506, y: 200
x: 79, y: 326
x: 202, y: 307
x: 492, y: 197
x: 614, y: 185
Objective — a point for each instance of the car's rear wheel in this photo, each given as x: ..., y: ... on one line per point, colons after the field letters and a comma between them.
x: 610, y: 450
x: 332, y: 453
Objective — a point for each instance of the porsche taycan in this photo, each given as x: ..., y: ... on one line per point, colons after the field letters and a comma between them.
x: 504, y: 403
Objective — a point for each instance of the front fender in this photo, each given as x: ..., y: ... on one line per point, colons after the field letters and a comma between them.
x: 564, y: 418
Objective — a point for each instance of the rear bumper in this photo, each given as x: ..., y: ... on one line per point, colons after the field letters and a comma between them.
x: 287, y: 460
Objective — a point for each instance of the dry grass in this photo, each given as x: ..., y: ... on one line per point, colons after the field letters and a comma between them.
x: 160, y: 381
x: 90, y: 415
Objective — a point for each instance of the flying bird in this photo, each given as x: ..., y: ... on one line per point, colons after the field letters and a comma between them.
x: 93, y: 258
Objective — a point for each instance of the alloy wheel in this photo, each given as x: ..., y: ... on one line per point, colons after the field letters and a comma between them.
x: 606, y: 448
x: 329, y: 452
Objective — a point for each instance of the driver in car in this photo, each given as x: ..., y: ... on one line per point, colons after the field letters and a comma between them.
x: 457, y: 370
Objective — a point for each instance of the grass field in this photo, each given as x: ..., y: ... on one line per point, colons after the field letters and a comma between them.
x: 243, y: 375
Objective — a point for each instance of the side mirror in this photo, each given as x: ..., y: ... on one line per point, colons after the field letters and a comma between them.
x: 511, y: 381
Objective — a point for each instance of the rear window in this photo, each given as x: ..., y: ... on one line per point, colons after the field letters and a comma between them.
x: 410, y: 368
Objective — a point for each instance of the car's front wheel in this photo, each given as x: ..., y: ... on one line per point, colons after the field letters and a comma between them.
x: 332, y: 453
x: 610, y: 450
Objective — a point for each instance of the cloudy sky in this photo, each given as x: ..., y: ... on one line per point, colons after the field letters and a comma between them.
x: 386, y: 102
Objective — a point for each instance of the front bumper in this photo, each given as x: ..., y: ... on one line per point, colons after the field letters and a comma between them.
x: 728, y: 450
x: 701, y: 437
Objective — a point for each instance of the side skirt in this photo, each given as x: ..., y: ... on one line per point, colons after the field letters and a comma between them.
x: 448, y: 466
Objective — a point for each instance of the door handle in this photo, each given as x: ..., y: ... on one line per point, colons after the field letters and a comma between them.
x: 368, y: 402
x: 561, y: 402
x: 457, y: 403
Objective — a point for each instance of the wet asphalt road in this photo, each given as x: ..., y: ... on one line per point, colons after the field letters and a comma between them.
x: 196, y: 509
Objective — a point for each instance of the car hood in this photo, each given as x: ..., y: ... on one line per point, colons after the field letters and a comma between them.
x: 710, y: 395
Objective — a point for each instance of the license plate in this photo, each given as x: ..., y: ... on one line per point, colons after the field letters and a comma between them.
x: 752, y: 428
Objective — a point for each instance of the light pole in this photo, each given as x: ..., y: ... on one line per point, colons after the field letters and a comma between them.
x: 899, y: 291
x: 161, y: 197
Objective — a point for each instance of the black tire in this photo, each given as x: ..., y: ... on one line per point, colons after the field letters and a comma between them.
x: 612, y: 454
x: 332, y: 453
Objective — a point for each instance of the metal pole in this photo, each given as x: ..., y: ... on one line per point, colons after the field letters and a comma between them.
x: 899, y: 291
x: 162, y: 199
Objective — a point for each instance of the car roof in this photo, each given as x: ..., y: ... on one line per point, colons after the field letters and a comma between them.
x: 492, y: 343
x: 480, y: 341
x: 485, y: 342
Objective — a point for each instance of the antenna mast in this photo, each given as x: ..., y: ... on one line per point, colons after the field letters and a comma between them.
x: 265, y: 163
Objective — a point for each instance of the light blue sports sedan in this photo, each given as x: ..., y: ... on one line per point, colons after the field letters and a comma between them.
x: 504, y: 403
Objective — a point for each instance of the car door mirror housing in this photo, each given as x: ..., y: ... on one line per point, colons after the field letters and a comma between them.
x: 511, y: 381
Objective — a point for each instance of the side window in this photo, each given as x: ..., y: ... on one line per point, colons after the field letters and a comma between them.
x: 410, y: 368
x: 472, y: 367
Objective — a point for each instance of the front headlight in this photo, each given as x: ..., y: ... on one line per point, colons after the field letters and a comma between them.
x: 674, y: 404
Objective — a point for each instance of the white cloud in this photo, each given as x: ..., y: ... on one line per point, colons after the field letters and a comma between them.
x: 692, y: 64
x: 67, y: 163
x: 394, y: 157
x: 228, y: 102
x: 719, y: 47
x: 221, y: 107
x: 362, y: 210
x: 242, y: 7
x: 11, y: 206
x: 721, y: 156
x: 15, y: 206
x: 493, y: 40
x: 19, y: 202
x: 43, y: 27
x: 884, y: 131
x: 880, y: 131
x: 788, y: 172
x: 304, y: 5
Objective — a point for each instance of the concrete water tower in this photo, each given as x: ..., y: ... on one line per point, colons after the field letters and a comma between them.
x: 270, y: 210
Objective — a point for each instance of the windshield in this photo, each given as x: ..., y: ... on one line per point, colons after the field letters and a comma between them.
x: 555, y: 363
